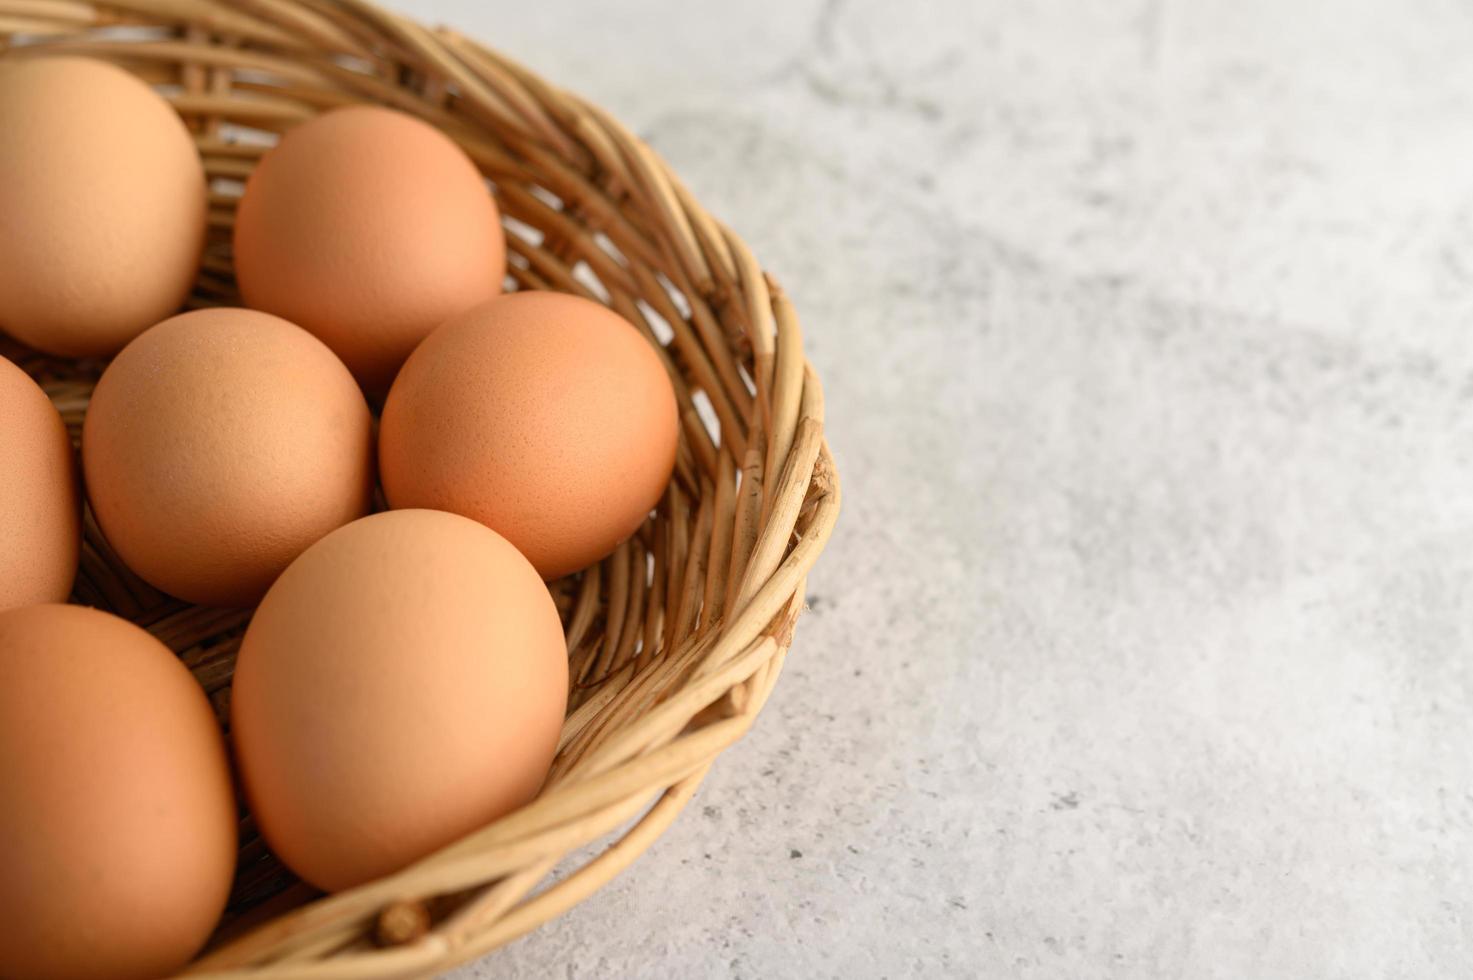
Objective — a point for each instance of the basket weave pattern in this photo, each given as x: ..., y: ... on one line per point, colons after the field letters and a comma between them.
x: 676, y: 639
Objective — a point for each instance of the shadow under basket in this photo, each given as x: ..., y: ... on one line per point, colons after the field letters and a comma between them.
x: 676, y: 639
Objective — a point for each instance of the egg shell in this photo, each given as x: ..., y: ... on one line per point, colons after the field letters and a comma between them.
x: 544, y: 416
x: 40, y: 508
x: 369, y: 228
x: 218, y: 446
x: 102, y: 206
x: 117, y: 815
x: 403, y: 683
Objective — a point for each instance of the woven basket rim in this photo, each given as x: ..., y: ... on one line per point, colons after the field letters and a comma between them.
x: 675, y: 640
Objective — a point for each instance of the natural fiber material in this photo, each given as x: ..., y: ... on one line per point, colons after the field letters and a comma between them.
x: 677, y: 638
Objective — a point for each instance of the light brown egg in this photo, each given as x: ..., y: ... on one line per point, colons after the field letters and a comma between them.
x: 40, y: 511
x: 218, y: 446
x: 546, y: 417
x: 117, y: 816
x: 102, y: 206
x: 403, y: 683
x: 369, y: 228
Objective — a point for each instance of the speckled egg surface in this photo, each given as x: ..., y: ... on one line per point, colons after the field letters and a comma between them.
x: 368, y: 227
x: 544, y: 416
x: 40, y: 513
x: 218, y: 446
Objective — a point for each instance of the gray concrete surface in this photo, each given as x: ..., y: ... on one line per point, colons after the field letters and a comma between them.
x: 1143, y: 647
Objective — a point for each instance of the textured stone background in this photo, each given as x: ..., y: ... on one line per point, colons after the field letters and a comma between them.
x: 1143, y: 646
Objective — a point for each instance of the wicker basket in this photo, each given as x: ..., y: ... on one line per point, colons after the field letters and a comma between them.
x: 675, y: 640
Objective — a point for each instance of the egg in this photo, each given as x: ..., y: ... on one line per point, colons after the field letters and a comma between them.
x: 402, y: 684
x: 40, y: 511
x: 218, y: 446
x: 102, y: 206
x: 369, y: 228
x: 544, y: 416
x: 117, y: 815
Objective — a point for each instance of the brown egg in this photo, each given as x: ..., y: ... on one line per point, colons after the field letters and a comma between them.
x: 117, y: 816
x: 369, y: 228
x: 103, y: 204
x: 546, y: 417
x: 403, y: 683
x: 218, y: 446
x: 40, y: 512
